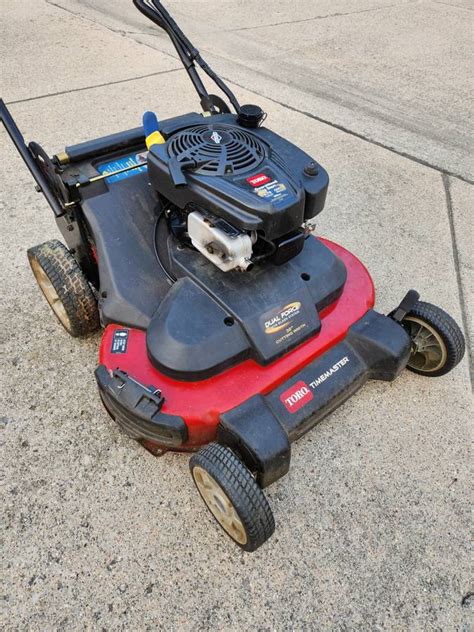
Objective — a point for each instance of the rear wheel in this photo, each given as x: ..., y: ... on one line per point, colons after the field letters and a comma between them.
x: 437, y: 341
x: 232, y: 495
x: 65, y: 287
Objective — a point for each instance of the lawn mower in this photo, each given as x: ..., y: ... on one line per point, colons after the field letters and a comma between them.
x: 230, y: 329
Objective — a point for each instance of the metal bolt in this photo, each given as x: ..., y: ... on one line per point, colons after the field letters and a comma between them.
x: 311, y: 169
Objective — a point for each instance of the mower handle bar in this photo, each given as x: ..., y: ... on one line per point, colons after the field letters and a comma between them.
x: 43, y: 185
x: 188, y: 54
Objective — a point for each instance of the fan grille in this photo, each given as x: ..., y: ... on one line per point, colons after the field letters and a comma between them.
x: 223, y: 149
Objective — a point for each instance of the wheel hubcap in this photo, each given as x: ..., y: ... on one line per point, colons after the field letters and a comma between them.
x: 220, y: 505
x: 429, y: 351
x: 50, y: 294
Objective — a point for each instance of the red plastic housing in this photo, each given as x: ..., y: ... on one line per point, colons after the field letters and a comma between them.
x: 201, y: 403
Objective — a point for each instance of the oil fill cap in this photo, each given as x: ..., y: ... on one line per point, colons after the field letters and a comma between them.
x: 251, y: 115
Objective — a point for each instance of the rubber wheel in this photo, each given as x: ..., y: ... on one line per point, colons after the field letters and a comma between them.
x: 65, y: 287
x: 437, y: 341
x: 232, y: 495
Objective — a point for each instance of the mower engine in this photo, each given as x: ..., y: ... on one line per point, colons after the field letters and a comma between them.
x: 238, y: 196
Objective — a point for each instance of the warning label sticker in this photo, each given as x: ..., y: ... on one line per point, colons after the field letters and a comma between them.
x: 120, y: 341
x: 266, y: 186
x: 134, y: 160
x: 273, y: 191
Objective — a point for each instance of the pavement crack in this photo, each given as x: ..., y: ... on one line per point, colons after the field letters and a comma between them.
x: 78, y: 15
x: 97, y: 85
x: 317, y: 17
x: 351, y: 132
x: 81, y: 16
x: 457, y: 266
x: 122, y: 32
x: 453, y: 6
x: 467, y: 600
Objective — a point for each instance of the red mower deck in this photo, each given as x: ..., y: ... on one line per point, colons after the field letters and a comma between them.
x: 200, y: 404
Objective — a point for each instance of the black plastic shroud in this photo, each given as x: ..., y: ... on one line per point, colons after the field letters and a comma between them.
x: 255, y: 179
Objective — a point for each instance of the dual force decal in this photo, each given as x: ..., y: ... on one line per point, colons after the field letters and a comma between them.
x: 283, y: 323
x: 280, y: 318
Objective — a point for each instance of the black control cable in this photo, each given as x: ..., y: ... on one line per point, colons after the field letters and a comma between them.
x: 171, y: 278
x: 156, y: 12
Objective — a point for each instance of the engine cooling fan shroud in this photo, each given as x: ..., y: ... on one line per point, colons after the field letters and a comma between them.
x: 218, y: 149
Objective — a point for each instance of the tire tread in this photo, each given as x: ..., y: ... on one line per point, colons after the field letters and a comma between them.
x: 241, y: 488
x: 449, y: 331
x: 70, y: 284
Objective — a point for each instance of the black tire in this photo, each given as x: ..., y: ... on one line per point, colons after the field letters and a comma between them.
x: 254, y: 523
x: 437, y: 341
x: 65, y: 287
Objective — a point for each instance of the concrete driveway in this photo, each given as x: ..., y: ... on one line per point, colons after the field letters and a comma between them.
x: 373, y: 519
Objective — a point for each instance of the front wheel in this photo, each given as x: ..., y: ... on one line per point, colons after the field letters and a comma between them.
x: 437, y: 341
x: 233, y: 496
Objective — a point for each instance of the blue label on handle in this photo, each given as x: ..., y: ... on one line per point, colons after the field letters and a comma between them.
x: 123, y: 163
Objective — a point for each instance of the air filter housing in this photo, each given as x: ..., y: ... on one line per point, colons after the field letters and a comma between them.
x: 254, y: 179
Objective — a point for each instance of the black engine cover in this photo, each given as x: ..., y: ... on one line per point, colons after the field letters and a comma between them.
x: 210, y: 320
x: 256, y: 180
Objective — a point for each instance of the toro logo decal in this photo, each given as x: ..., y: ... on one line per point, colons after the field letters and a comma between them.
x: 258, y: 180
x: 280, y: 318
x: 296, y: 397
